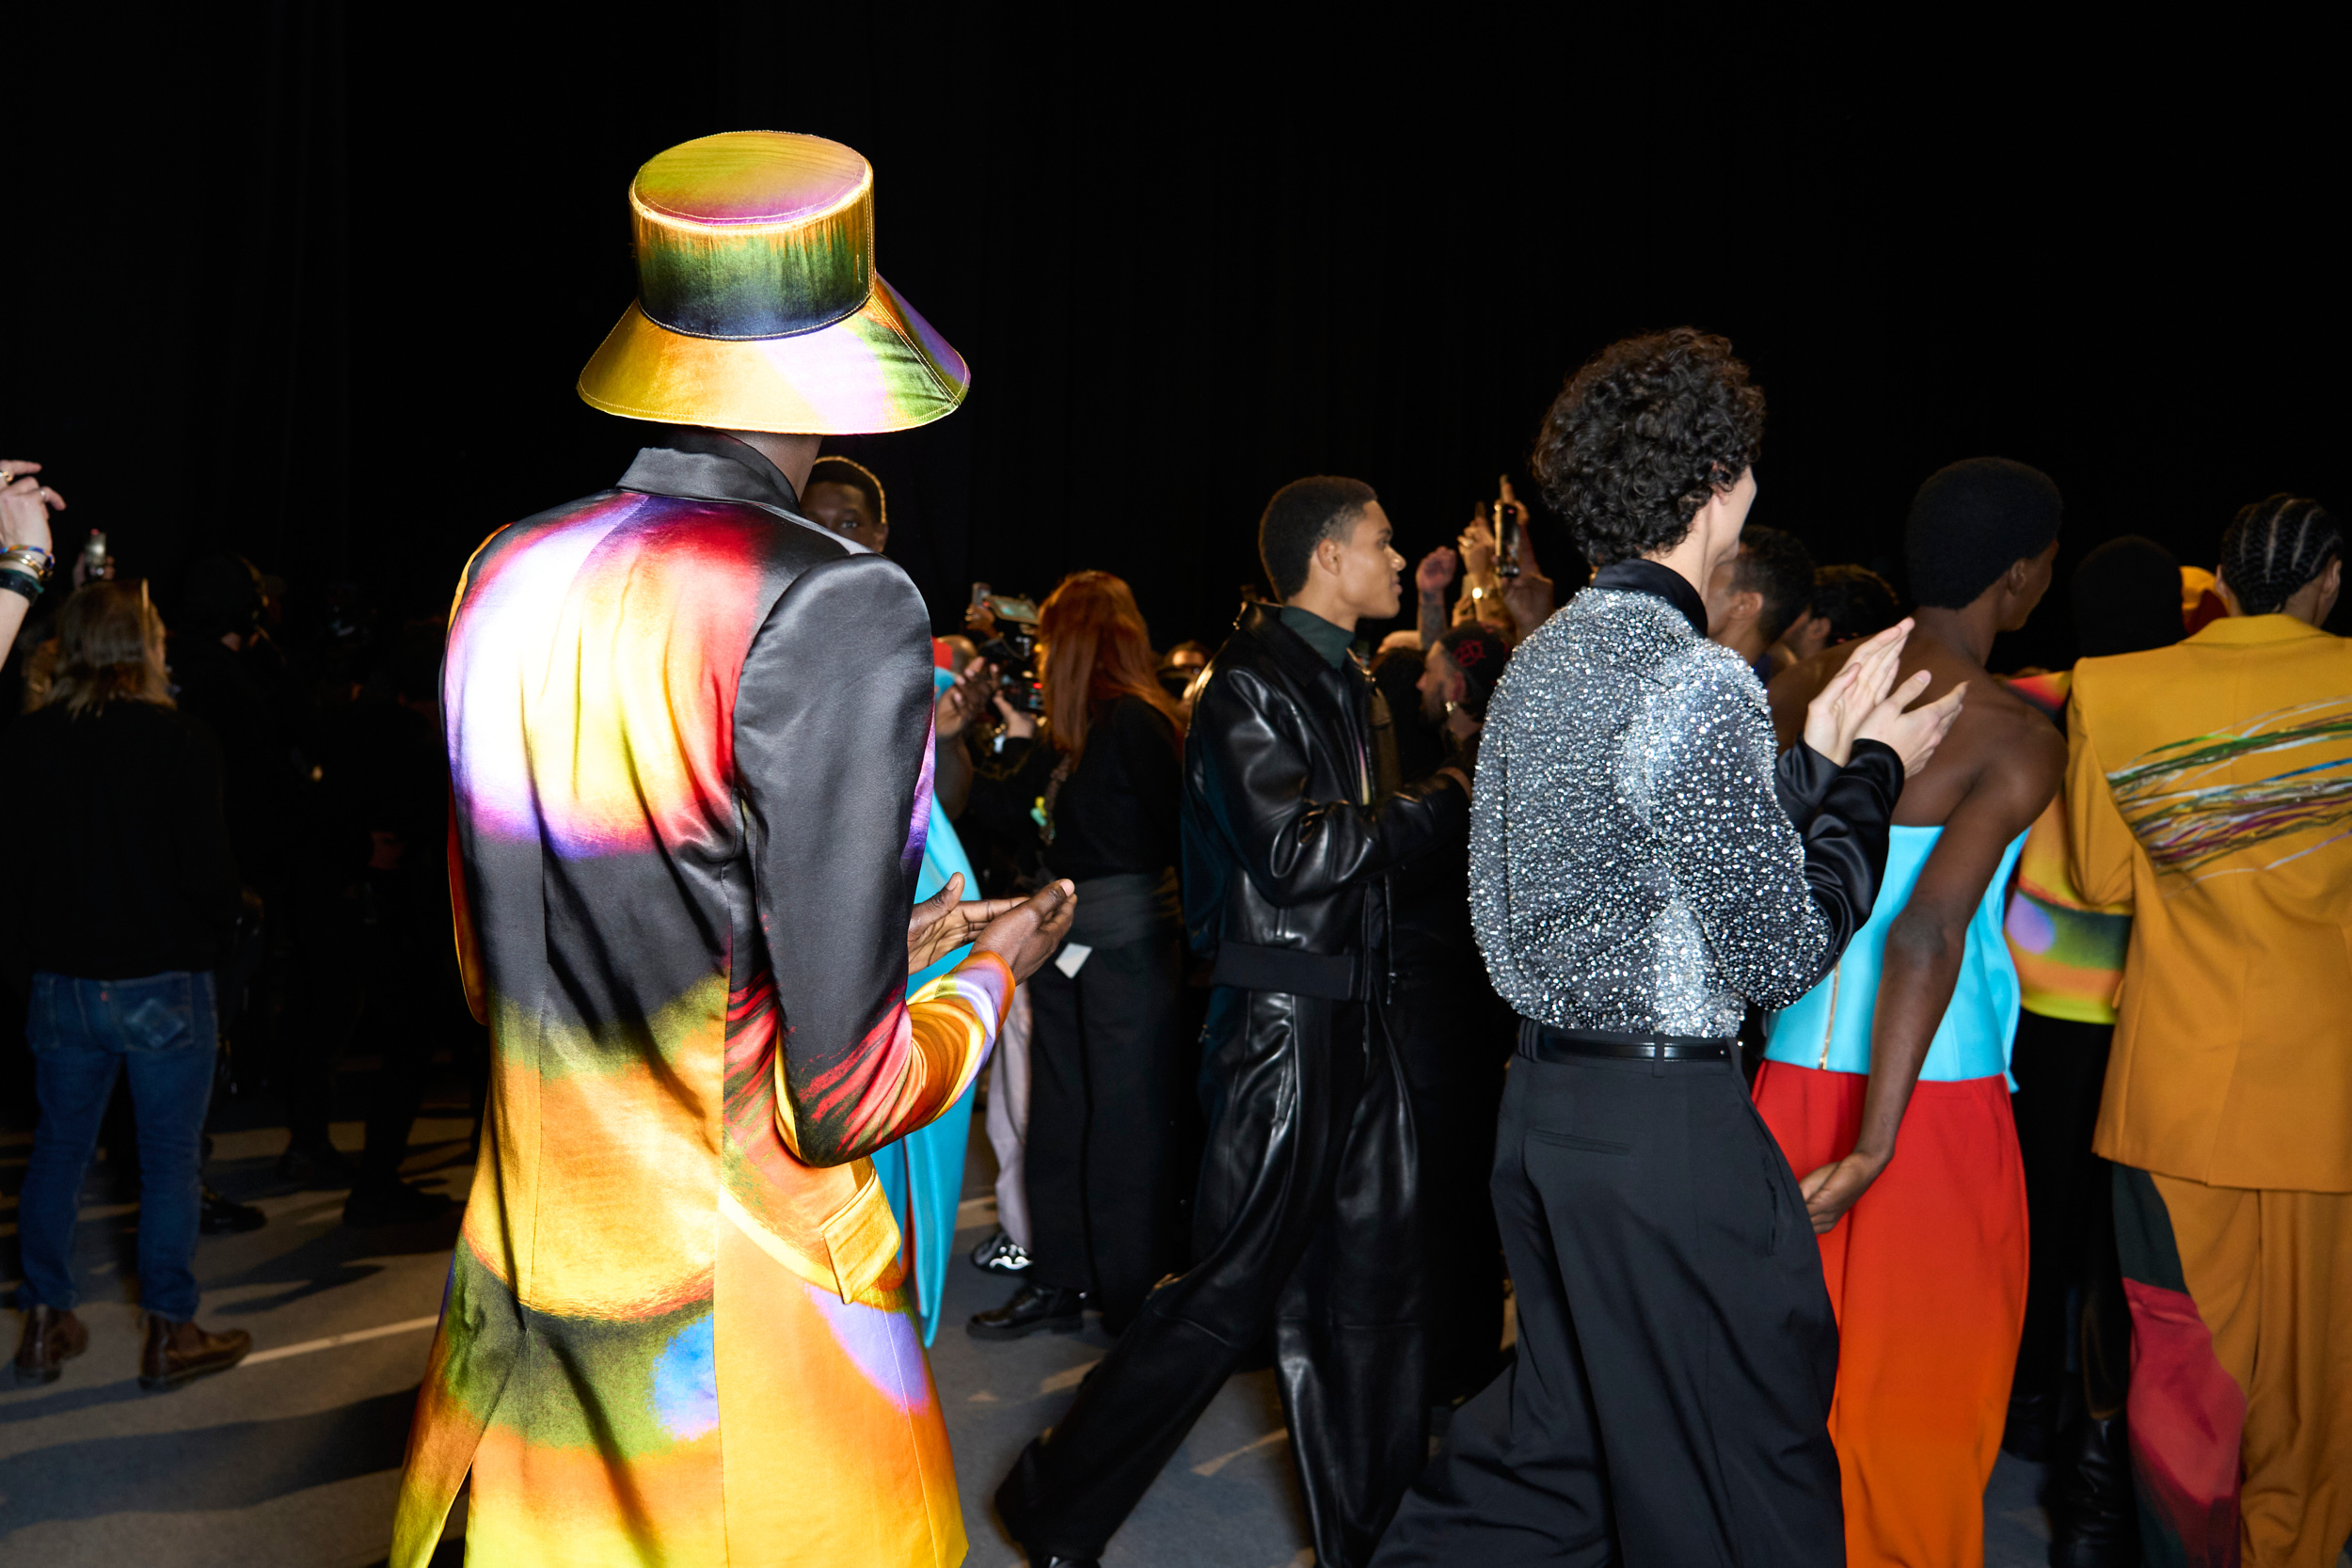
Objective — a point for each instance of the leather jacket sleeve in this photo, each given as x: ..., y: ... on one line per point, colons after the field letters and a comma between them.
x: 1251, y: 753
x: 833, y: 746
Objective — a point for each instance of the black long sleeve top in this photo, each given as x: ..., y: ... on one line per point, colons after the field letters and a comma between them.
x: 124, y: 866
x: 1118, y: 811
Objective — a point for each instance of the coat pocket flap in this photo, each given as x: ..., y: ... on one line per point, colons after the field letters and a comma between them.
x: 862, y: 1240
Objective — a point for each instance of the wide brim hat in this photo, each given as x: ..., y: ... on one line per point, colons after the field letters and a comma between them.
x: 758, y: 304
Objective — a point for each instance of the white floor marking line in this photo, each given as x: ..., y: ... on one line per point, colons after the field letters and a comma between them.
x: 278, y: 1352
x: 1211, y: 1466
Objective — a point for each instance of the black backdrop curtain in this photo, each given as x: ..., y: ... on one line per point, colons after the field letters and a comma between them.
x: 313, y: 282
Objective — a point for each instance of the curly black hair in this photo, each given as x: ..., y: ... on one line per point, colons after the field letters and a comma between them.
x: 1638, y: 438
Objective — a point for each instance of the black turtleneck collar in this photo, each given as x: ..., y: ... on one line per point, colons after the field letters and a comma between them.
x: 709, y: 464
x: 1649, y: 576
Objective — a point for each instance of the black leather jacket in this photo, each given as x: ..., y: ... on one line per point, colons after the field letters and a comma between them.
x: 1287, y: 846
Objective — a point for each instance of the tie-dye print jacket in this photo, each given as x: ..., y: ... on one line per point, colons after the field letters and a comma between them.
x: 689, y: 741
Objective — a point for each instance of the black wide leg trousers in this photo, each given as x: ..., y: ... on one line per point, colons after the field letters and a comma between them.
x: 1305, y: 1221
x: 1111, y: 1148
x: 1669, y: 1405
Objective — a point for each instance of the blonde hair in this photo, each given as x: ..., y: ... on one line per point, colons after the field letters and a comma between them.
x: 109, y: 648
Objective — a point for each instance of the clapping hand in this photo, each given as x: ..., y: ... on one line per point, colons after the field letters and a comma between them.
x: 940, y: 925
x: 1863, y: 703
x: 965, y: 700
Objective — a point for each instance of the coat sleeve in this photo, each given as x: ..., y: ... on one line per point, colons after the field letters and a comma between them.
x: 1252, y: 770
x: 833, y: 754
x: 2103, y: 847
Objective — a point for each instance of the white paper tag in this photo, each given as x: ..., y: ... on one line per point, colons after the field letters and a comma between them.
x: 1073, y: 956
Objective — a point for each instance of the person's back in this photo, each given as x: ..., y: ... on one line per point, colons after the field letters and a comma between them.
x: 2209, y: 784
x: 1925, y: 1250
x: 130, y: 866
x: 126, y: 898
x: 688, y: 739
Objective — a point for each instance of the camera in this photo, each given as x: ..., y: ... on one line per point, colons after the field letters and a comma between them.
x: 1013, y: 648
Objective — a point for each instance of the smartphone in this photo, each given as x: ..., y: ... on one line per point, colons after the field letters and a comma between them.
x: 95, y: 563
x: 1506, y: 532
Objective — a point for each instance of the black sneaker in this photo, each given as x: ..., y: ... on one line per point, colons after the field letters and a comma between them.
x: 393, y: 1203
x: 1001, y: 1254
x: 221, y: 1217
x: 1032, y: 1309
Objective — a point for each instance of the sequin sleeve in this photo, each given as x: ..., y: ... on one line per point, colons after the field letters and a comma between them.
x: 1776, y: 907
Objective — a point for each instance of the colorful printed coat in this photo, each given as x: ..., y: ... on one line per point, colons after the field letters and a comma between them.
x: 689, y: 739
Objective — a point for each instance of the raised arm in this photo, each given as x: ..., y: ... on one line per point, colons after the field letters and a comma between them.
x: 1253, y: 769
x: 832, y: 747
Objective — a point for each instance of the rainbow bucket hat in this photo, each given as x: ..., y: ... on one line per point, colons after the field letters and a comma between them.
x: 758, y: 304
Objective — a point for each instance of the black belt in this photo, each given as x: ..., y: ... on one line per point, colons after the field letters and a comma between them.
x: 1334, y: 976
x: 1544, y: 1043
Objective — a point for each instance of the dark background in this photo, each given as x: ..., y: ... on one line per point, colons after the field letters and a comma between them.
x: 315, y: 282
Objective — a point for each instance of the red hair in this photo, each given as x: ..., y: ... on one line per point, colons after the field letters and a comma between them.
x: 1097, y: 650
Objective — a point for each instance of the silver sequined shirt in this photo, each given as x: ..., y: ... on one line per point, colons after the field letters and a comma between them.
x: 1631, y: 867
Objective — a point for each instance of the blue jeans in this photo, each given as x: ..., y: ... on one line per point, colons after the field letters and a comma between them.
x: 164, y: 1028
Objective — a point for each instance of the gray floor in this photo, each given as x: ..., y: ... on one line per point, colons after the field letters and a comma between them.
x: 294, y: 1459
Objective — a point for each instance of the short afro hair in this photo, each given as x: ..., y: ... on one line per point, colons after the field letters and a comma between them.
x: 1779, y: 569
x: 2273, y: 547
x: 832, y: 470
x: 1973, y: 520
x: 1641, y: 436
x: 1301, y: 515
x: 1854, y: 600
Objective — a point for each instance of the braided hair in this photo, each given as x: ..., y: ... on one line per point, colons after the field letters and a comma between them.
x: 2274, y: 546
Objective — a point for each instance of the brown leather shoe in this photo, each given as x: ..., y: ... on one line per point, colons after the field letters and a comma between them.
x: 53, y: 1337
x: 177, y: 1353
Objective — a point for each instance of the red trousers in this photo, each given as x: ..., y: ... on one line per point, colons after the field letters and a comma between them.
x: 1927, y: 1272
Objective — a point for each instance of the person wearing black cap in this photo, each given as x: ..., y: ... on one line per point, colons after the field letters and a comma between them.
x: 1924, y: 1250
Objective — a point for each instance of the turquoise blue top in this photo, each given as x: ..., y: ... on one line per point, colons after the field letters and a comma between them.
x: 1831, y: 1027
x: 923, y: 1172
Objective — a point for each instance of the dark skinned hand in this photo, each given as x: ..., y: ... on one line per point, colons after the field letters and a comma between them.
x: 940, y: 925
x: 1027, y: 936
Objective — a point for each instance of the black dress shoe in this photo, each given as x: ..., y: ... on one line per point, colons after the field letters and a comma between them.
x: 2095, y: 1521
x: 1032, y: 1308
x: 1001, y: 1254
x: 221, y: 1217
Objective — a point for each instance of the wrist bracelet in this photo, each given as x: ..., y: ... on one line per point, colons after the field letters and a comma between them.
x: 31, y: 559
x: 20, y: 582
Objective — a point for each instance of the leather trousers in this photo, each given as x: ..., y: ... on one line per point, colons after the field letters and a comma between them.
x: 1305, y: 1223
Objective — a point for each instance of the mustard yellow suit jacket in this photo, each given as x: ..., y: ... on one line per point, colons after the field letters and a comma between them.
x: 2210, y: 784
